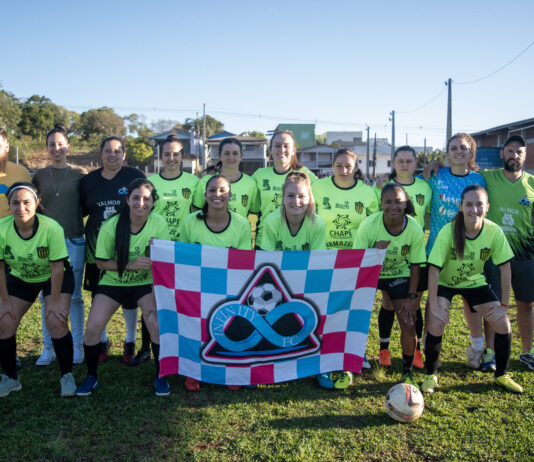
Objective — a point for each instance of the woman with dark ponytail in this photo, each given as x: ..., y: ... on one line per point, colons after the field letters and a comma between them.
x: 456, y: 267
x: 245, y: 196
x: 123, y: 255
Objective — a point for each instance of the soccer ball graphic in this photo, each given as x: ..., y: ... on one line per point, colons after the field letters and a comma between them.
x: 404, y: 403
x: 264, y: 298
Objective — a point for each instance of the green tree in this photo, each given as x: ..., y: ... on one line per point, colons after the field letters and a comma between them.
x: 10, y: 111
x: 430, y: 156
x: 254, y: 134
x: 213, y: 125
x: 101, y: 123
x: 162, y: 125
x: 137, y: 126
x: 39, y: 115
x: 138, y: 151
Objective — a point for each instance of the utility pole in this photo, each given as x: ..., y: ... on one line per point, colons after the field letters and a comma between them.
x: 374, y: 157
x: 406, y: 139
x: 449, y: 110
x: 367, y: 158
x: 392, y: 135
x: 424, y: 153
x: 204, y: 132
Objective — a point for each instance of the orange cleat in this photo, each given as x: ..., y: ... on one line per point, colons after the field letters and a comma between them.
x: 383, y: 358
x: 418, y: 360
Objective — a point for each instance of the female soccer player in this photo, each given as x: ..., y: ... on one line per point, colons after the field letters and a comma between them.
x: 245, y: 198
x: 270, y: 180
x: 395, y: 230
x: 456, y: 267
x: 343, y: 202
x: 59, y: 186
x: 175, y: 187
x: 296, y: 226
x: 420, y: 192
x: 33, y: 247
x: 101, y: 194
x: 216, y: 226
x: 123, y: 254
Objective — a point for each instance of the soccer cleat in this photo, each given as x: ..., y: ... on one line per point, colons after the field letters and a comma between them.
x: 142, y: 355
x: 104, y: 351
x: 68, y: 385
x: 78, y: 356
x: 528, y: 359
x: 473, y: 357
x: 128, y: 351
x: 89, y: 384
x: 47, y: 357
x: 384, y: 359
x: 430, y: 384
x: 344, y: 381
x: 7, y: 385
x: 366, y: 364
x: 325, y: 381
x: 192, y: 384
x: 418, y: 360
x: 407, y: 377
x: 162, y: 386
x: 505, y: 381
x: 487, y: 363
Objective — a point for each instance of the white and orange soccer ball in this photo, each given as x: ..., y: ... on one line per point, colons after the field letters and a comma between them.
x: 404, y: 403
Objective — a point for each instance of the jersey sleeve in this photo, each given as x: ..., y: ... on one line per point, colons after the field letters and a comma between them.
x: 255, y: 198
x: 56, y: 243
x: 105, y: 244
x: 245, y: 239
x: 318, y: 237
x: 417, y: 252
x: 185, y: 231
x: 374, y: 203
x: 501, y: 252
x: 269, y: 236
x: 200, y: 191
x: 363, y: 238
x: 438, y: 254
x: 162, y: 231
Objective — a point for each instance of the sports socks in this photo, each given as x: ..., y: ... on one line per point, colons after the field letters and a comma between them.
x: 8, y: 354
x: 64, y: 351
x: 419, y: 327
x: 145, y: 335
x: 407, y: 363
x: 432, y: 351
x: 130, y: 318
x: 503, y: 348
x: 155, y: 352
x: 91, y: 357
x: 385, y: 324
x: 477, y: 343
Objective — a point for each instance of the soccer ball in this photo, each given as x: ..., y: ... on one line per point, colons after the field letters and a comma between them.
x: 264, y: 298
x: 404, y: 403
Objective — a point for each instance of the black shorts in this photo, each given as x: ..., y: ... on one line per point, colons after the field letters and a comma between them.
x: 396, y: 288
x: 127, y: 296
x: 29, y: 291
x: 522, y: 279
x: 91, y: 278
x: 473, y: 297
x: 423, y: 278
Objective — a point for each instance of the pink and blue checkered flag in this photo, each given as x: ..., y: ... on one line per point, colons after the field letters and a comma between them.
x: 245, y: 317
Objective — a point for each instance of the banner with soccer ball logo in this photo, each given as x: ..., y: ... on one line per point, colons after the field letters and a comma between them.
x: 245, y: 317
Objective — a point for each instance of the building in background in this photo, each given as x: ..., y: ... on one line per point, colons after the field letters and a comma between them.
x: 254, y: 151
x: 318, y: 158
x: 193, y: 153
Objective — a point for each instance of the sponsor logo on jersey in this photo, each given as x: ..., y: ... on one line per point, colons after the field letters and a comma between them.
x: 123, y: 191
x: 244, y: 200
x: 170, y: 209
x: 326, y: 203
x: 108, y: 211
x: 42, y: 252
x: 405, y: 250
x: 420, y: 199
x: 484, y: 253
x: 525, y: 201
x: 8, y: 254
x: 358, y: 206
x: 341, y: 221
x: 186, y: 192
x: 306, y: 246
x: 266, y: 186
x: 508, y: 219
x: 277, y: 199
x: 278, y: 246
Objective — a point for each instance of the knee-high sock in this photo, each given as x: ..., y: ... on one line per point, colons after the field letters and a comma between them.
x: 503, y: 348
x: 8, y: 355
x: 64, y: 351
x: 91, y: 357
x: 432, y: 351
x: 155, y: 352
x: 385, y: 324
x: 130, y: 318
x: 419, y: 327
x: 145, y: 335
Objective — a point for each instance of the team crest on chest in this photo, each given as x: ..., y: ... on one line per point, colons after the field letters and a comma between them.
x: 484, y: 253
x: 420, y: 199
x: 244, y: 200
x: 405, y: 250
x: 186, y: 192
x: 42, y: 252
x: 358, y: 206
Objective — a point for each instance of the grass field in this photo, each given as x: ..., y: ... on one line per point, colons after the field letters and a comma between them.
x: 468, y: 418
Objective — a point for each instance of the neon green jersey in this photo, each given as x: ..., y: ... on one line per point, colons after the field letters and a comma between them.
x: 277, y: 235
x: 420, y: 193
x: 468, y: 272
x: 270, y: 190
x: 237, y: 235
x: 29, y: 259
x: 343, y: 209
x: 245, y: 197
x: 512, y: 208
x: 155, y: 226
x: 175, y: 199
x: 405, y: 249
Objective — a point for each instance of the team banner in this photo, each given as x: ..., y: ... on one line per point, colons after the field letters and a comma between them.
x: 241, y: 317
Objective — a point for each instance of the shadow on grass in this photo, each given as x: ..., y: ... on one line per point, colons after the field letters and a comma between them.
x: 332, y: 421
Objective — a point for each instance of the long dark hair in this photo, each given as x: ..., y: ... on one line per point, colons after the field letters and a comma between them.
x: 58, y: 128
x: 459, y: 224
x: 203, y: 214
x: 410, y: 209
x: 172, y: 138
x: 218, y: 166
x: 294, y: 162
x: 122, y: 232
x: 349, y: 152
x: 30, y: 187
x: 393, y: 173
x: 111, y: 138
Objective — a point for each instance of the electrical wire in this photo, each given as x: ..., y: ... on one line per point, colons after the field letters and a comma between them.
x: 423, y: 105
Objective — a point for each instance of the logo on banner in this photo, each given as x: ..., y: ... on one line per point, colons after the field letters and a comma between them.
x: 263, y: 324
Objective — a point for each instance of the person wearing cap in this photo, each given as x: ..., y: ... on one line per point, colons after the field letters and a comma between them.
x: 511, y: 196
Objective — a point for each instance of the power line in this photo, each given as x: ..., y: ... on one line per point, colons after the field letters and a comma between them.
x: 498, y: 70
x: 423, y: 105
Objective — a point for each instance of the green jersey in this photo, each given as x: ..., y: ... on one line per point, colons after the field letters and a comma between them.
x: 175, y: 199
x: 512, y: 208
x: 155, y: 226
x: 245, y: 197
x: 237, y: 235
x: 270, y: 190
x: 468, y: 272
x: 277, y: 235
x: 405, y: 249
x: 420, y: 193
x: 29, y: 259
x: 343, y: 209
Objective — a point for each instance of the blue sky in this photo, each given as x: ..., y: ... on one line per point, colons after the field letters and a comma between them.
x: 346, y: 62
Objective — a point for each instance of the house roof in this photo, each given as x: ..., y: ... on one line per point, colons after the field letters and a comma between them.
x: 243, y: 139
x: 509, y: 126
x: 182, y: 134
x: 223, y: 134
x: 315, y: 146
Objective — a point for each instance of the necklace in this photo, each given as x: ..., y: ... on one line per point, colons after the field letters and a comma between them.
x: 60, y: 183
